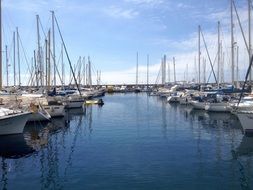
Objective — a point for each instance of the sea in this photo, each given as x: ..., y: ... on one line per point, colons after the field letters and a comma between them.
x: 134, y: 141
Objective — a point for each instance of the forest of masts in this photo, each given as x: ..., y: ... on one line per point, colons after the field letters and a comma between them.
x: 45, y: 69
x: 217, y: 68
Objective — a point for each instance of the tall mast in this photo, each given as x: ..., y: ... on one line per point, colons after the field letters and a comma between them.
x: 195, y: 69
x: 232, y: 45
x: 53, y: 34
x: 14, y: 58
x: 1, y: 82
x: 250, y: 49
x: 46, y: 58
x: 89, y: 67
x: 199, y: 53
x: 174, y: 64
x: 39, y: 52
x: 137, y: 62
x: 79, y: 67
x: 219, y: 57
x: 49, y: 60
x: 237, y: 64
x: 62, y: 66
x: 36, y: 70
x: 7, y: 65
x: 204, y: 70
x: 19, y: 80
x: 84, y: 75
x: 168, y: 72
x: 164, y: 69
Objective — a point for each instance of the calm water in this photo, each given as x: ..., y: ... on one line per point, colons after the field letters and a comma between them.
x: 132, y: 142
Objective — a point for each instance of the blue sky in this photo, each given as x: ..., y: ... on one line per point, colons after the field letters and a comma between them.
x: 112, y: 31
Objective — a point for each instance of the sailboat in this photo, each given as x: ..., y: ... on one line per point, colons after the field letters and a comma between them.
x: 245, y: 115
x: 12, y: 121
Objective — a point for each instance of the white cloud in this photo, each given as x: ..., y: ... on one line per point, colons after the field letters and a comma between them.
x: 117, y: 12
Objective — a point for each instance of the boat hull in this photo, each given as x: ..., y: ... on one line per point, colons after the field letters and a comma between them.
x: 74, y: 104
x: 198, y: 105
x: 246, y: 120
x: 218, y: 107
x: 55, y: 110
x: 13, y: 124
x: 41, y: 115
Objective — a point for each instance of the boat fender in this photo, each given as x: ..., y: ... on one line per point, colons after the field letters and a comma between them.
x: 33, y: 108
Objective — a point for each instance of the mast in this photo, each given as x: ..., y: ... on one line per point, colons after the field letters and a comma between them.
x: 89, y: 67
x: 79, y: 66
x: 38, y: 53
x: 1, y: 82
x: 46, y: 58
x: 219, y: 57
x: 49, y: 59
x: 168, y: 72
x: 53, y: 34
x: 250, y: 49
x: 87, y: 73
x: 237, y: 65
x: 199, y: 53
x: 222, y: 64
x: 174, y: 64
x: 19, y: 80
x: 7, y: 64
x: 84, y: 75
x: 137, y: 62
x: 204, y: 70
x: 164, y: 69
x: 36, y: 71
x: 232, y: 45
x: 62, y: 67
x: 14, y: 58
x: 195, y: 69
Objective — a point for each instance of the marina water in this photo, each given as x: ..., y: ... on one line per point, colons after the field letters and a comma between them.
x: 134, y: 141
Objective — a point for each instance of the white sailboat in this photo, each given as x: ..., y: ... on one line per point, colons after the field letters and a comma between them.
x: 12, y: 121
x: 198, y: 105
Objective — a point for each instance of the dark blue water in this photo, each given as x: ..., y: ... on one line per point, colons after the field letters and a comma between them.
x: 132, y: 142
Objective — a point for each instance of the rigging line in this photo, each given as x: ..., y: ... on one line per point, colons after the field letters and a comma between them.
x: 75, y: 68
x: 158, y: 76
x: 42, y: 28
x: 239, y: 21
x: 213, y: 65
x: 65, y: 48
x: 21, y: 43
x: 57, y: 70
x: 208, y: 55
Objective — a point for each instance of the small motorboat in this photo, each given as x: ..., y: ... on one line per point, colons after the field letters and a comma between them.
x: 97, y: 101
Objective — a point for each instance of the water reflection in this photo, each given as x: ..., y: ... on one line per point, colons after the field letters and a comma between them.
x: 63, y: 157
x: 47, y: 140
x: 246, y: 147
x: 14, y: 146
x: 213, y: 119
